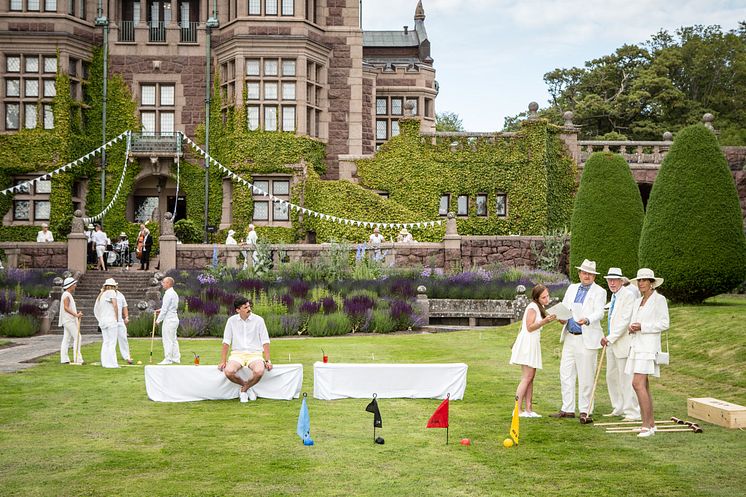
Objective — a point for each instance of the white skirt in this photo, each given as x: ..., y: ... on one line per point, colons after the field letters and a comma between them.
x: 527, y: 349
x: 640, y: 363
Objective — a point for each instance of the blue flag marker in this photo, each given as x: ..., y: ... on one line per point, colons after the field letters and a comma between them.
x: 304, y: 423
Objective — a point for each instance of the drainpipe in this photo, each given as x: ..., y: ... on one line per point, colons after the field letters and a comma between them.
x: 102, y: 21
x: 212, y: 23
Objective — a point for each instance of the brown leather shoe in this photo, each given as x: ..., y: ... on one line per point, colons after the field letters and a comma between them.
x: 585, y: 419
x: 562, y: 414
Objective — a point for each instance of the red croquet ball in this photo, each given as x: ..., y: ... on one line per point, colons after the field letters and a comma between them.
x: 465, y: 441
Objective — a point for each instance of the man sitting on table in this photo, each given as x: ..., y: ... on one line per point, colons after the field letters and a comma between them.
x: 246, y: 334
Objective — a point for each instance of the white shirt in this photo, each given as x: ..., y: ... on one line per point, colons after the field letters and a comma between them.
x: 248, y: 335
x: 376, y: 239
x: 121, y: 304
x: 251, y: 237
x: 230, y: 240
x: 44, y: 237
x: 168, y: 306
x: 104, y: 309
x: 100, y: 238
x: 66, y: 317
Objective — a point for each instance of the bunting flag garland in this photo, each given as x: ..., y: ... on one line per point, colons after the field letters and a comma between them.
x: 24, y: 185
x: 288, y: 205
x: 114, y: 198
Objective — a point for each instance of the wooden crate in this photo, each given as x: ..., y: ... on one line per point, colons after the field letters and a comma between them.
x: 717, y: 412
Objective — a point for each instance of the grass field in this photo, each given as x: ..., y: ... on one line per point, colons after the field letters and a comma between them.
x: 68, y: 431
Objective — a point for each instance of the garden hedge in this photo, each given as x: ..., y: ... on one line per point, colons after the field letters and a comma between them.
x: 608, y: 216
x: 693, y: 233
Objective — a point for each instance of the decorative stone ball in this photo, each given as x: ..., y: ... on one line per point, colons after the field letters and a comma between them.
x: 168, y: 215
x: 142, y: 305
x: 66, y: 274
x: 567, y: 116
x: 58, y: 281
x: 708, y: 118
x: 667, y: 136
x: 533, y: 107
x: 78, y: 213
x: 421, y: 289
x: 154, y: 282
x: 43, y: 305
x: 409, y: 105
x: 520, y: 289
x: 451, y: 215
x: 159, y: 276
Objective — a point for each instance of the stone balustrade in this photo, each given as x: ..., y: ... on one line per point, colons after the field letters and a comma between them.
x: 33, y: 255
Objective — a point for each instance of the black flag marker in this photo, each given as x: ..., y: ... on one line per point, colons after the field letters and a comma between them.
x: 377, y: 422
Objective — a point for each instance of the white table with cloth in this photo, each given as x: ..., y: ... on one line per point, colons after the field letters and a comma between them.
x: 413, y: 381
x: 174, y: 383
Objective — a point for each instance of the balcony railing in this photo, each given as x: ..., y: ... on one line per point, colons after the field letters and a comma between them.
x: 634, y: 152
x: 188, y: 32
x: 150, y: 142
x: 157, y: 31
x: 126, y: 31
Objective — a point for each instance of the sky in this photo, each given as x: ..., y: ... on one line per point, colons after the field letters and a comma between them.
x: 491, y: 55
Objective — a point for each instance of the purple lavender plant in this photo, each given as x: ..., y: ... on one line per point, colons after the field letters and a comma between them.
x: 329, y: 305
x: 287, y: 300
x: 309, y: 307
x: 211, y: 308
x: 400, y: 311
x: 291, y: 324
x: 299, y: 288
x: 30, y: 307
x: 194, y: 303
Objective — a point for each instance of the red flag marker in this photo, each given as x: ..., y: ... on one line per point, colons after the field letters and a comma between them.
x: 439, y: 419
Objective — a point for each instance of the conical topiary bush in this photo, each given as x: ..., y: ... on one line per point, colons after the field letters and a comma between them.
x: 607, y: 217
x: 693, y: 232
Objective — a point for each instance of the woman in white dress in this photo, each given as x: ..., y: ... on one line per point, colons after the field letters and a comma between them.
x: 527, y: 347
x: 649, y: 319
x: 106, y: 311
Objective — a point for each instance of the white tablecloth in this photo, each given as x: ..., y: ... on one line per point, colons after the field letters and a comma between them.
x: 426, y: 381
x: 188, y: 383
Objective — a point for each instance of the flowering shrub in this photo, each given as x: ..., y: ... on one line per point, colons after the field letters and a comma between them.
x: 30, y: 307
x: 299, y: 288
x: 287, y: 301
x: 309, y: 307
x: 329, y: 305
x: 206, y: 279
x: 210, y: 308
x: 401, y: 313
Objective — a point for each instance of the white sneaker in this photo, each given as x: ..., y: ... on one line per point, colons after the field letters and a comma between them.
x: 243, y: 397
x: 646, y: 432
x: 533, y: 414
x: 525, y: 414
x: 252, y: 394
x: 164, y: 362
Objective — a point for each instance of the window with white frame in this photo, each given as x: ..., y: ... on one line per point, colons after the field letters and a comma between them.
x: 30, y: 88
x: 157, y: 101
x: 270, y: 90
x: 266, y: 210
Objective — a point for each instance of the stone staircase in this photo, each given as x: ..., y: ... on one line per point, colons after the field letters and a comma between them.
x: 133, y: 284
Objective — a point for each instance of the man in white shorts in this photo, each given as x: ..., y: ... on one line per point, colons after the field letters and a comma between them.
x: 246, y: 335
x: 100, y: 240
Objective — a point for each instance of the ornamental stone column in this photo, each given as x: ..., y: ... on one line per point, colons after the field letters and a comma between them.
x: 451, y: 243
x: 167, y: 243
x: 77, y: 245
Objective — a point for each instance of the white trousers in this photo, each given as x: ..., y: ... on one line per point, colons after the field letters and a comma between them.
x: 170, y: 344
x: 124, y: 345
x: 577, y: 363
x: 622, y: 395
x: 70, y: 336
x: 109, y: 346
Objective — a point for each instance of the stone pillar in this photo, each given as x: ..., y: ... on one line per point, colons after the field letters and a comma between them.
x: 569, y: 136
x: 422, y: 305
x: 451, y: 243
x: 167, y: 243
x: 77, y: 245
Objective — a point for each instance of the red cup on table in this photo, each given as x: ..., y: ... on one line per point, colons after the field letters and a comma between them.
x: 326, y: 358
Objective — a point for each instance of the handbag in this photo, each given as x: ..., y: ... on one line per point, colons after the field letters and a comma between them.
x: 662, y: 358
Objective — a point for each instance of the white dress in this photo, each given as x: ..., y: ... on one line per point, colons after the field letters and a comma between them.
x: 527, y: 347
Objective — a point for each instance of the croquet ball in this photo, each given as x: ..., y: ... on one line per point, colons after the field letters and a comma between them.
x: 507, y: 443
x: 139, y: 362
x: 465, y: 441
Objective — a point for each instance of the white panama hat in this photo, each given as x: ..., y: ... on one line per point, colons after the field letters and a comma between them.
x: 588, y: 266
x: 646, y: 274
x: 110, y: 282
x: 69, y: 281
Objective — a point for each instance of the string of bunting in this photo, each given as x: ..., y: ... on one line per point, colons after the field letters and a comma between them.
x: 286, y: 204
x: 103, y: 213
x: 25, y: 184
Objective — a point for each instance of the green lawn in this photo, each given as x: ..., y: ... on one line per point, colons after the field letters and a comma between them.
x: 67, y: 431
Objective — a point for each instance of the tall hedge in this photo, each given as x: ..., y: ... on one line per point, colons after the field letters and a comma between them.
x: 693, y: 234
x: 608, y: 216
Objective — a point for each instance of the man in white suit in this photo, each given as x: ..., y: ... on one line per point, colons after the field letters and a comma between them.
x: 617, y: 343
x: 581, y: 338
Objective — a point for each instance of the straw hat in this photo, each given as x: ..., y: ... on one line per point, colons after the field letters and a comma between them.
x: 122, y: 235
x: 404, y: 231
x: 110, y: 282
x: 646, y: 274
x: 231, y: 232
x: 90, y: 226
x: 588, y: 266
x: 615, y: 274
x: 69, y: 281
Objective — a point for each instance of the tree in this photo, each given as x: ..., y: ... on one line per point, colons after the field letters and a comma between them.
x: 608, y: 215
x: 664, y: 84
x: 448, y: 121
x: 693, y: 235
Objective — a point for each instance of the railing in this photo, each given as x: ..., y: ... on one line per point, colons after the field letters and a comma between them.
x: 188, y: 32
x: 459, y: 139
x: 126, y: 31
x: 157, y: 31
x: 154, y: 143
x: 634, y: 152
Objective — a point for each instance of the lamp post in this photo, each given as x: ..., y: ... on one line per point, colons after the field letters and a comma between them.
x: 102, y: 21
x: 211, y: 24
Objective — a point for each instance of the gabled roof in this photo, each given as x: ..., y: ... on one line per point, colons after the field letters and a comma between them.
x: 390, y: 39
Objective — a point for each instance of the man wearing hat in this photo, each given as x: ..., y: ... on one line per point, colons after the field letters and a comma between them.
x: 106, y: 311
x: 91, y: 244
x: 581, y: 338
x: 44, y: 235
x: 404, y: 236
x: 69, y: 316
x: 617, y: 343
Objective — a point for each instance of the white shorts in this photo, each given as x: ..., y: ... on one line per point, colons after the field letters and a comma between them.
x: 100, y: 249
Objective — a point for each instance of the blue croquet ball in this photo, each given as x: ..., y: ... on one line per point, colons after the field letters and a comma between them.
x: 308, y: 441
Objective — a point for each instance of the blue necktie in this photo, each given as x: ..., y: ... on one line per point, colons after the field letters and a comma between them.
x: 611, y: 310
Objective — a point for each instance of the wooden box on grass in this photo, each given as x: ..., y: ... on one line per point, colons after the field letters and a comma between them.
x: 717, y: 412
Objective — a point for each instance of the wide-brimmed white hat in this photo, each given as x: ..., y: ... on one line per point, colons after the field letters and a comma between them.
x: 646, y: 274
x: 90, y: 226
x: 615, y: 273
x: 110, y: 282
x: 588, y: 266
x: 122, y: 234
x: 69, y: 281
x: 231, y: 232
x: 404, y: 231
